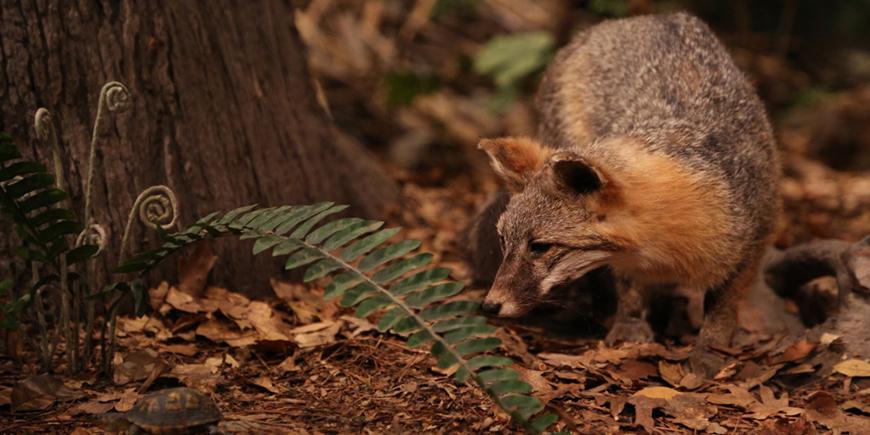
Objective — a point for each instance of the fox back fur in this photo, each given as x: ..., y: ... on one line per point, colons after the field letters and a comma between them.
x: 654, y: 157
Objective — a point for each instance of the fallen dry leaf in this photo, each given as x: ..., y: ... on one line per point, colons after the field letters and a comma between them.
x: 135, y: 366
x: 633, y: 370
x: 656, y: 393
x: 797, y: 351
x: 197, y: 376
x: 855, y: 368
x: 218, y: 331
x: 157, y: 297
x: 187, y: 349
x: 823, y: 409
x: 265, y: 383
x: 288, y: 365
x: 268, y: 324
x: 142, y: 325
x: 92, y: 407
x: 316, y: 334
x: 127, y: 400
x: 737, y: 396
x: 193, y: 270
x: 38, y: 392
x: 770, y: 405
x: 307, y: 303
x: 181, y: 301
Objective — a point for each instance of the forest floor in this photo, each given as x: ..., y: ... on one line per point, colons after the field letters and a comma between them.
x: 295, y: 364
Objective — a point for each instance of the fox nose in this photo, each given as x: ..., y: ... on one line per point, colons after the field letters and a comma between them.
x: 490, y: 308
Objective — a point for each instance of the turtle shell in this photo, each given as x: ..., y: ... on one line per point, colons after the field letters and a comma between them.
x: 173, y: 410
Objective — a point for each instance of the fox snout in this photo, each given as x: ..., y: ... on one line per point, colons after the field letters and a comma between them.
x: 499, y: 303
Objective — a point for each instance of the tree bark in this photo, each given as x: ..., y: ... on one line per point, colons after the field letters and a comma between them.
x: 223, y: 112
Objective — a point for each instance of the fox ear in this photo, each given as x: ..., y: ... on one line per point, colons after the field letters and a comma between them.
x: 575, y: 174
x: 515, y: 159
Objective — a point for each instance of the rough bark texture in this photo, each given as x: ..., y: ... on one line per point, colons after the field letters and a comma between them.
x: 223, y: 111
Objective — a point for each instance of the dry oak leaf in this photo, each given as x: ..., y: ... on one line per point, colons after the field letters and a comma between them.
x: 193, y: 270
x: 770, y: 405
x: 688, y: 409
x: 307, y: 303
x: 797, y: 351
x: 823, y: 409
x: 269, y: 325
x: 737, y: 396
x: 143, y: 324
x: 38, y: 392
x: 288, y: 365
x: 189, y: 304
x: 92, y: 407
x: 854, y: 368
x: 316, y: 334
x: 218, y: 331
x: 231, y: 304
x: 127, y: 400
x: 265, y: 383
x: 135, y: 366
x: 187, y: 349
x: 199, y: 376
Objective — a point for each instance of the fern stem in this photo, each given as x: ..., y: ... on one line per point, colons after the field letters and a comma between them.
x: 114, y: 97
x: 460, y: 360
x: 45, y: 352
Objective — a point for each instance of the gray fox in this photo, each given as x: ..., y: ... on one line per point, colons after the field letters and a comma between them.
x: 654, y: 158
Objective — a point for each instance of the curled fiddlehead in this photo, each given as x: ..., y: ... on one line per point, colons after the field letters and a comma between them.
x: 42, y: 123
x: 114, y: 97
x: 156, y: 207
x: 95, y: 235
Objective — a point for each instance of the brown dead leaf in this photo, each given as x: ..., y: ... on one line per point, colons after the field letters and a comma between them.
x: 199, y: 376
x: 216, y: 362
x: 854, y: 368
x: 656, y: 393
x: 92, y: 407
x: 316, y: 334
x: 135, y: 366
x: 307, y: 303
x: 265, y: 383
x: 189, y: 304
x: 288, y: 365
x: 633, y: 370
x: 193, y: 270
x: 218, y: 331
x: 615, y: 355
x: 143, y: 325
x: 187, y: 349
x: 269, y: 325
x: 737, y: 396
x: 38, y: 392
x: 797, y: 351
x: 360, y: 326
x: 157, y: 297
x: 127, y: 400
x: 823, y: 409
x: 232, y: 304
x: 770, y: 405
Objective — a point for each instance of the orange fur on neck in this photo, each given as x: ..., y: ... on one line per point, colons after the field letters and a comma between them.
x: 672, y: 220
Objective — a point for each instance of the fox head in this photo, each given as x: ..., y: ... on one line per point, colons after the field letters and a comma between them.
x: 554, y: 229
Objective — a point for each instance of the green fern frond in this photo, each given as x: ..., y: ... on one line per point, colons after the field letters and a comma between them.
x: 29, y: 198
x: 369, y: 272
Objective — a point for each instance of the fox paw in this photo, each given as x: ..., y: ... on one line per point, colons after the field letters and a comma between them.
x: 705, y: 363
x: 629, y: 330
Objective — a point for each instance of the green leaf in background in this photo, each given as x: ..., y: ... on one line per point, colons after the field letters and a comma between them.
x: 507, y: 59
x: 609, y: 8
x: 403, y: 86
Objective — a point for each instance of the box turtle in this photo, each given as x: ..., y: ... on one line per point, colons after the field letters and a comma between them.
x: 170, y: 411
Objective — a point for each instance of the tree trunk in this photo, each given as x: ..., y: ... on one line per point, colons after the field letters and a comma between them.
x: 222, y: 111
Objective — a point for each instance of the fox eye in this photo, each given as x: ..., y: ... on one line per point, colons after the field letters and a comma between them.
x: 538, y: 248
